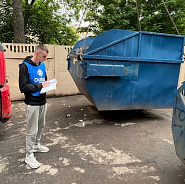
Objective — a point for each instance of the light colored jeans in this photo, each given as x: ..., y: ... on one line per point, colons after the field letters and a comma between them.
x: 35, y: 118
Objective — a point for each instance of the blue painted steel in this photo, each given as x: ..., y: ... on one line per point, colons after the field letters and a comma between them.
x: 122, y: 69
x: 104, y: 70
x: 178, y: 123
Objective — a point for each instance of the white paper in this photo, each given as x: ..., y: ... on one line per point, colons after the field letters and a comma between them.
x: 51, y: 87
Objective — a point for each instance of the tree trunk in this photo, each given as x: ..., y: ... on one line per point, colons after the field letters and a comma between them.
x: 18, y: 22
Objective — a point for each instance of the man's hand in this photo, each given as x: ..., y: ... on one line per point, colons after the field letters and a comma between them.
x: 45, y: 84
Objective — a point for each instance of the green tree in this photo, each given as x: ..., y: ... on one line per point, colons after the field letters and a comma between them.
x: 18, y: 22
x: 122, y: 14
x: 42, y: 23
x: 6, y: 21
x: 155, y: 17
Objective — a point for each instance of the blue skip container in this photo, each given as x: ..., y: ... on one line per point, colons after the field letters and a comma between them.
x: 122, y: 69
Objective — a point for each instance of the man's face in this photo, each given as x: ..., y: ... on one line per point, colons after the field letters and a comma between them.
x: 41, y: 56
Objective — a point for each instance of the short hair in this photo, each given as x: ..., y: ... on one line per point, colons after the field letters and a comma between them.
x: 41, y: 47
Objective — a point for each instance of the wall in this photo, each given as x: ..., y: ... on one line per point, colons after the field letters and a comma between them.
x: 182, y: 72
x: 56, y: 66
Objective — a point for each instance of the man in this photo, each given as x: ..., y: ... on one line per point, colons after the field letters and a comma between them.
x: 32, y: 78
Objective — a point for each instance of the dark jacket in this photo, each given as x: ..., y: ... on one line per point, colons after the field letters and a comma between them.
x: 27, y: 88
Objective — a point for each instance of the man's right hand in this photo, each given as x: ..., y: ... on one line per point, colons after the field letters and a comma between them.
x: 45, y: 84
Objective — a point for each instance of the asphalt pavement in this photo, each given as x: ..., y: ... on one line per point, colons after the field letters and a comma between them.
x: 92, y: 147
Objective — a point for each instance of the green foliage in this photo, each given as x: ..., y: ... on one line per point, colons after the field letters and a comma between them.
x: 122, y: 14
x: 116, y: 14
x: 42, y: 23
x: 155, y: 17
x: 6, y: 22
